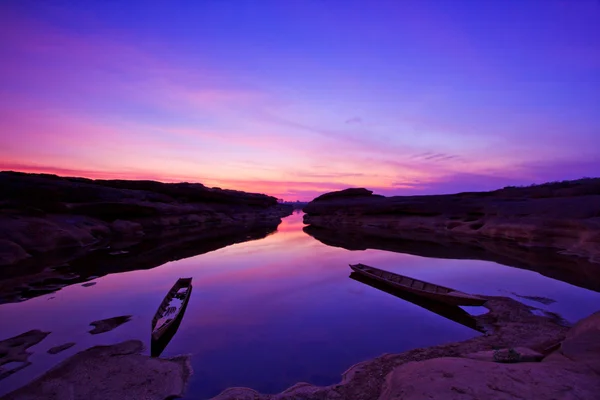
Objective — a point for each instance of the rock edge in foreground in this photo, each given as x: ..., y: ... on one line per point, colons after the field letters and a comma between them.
x: 110, y: 372
x: 438, y: 371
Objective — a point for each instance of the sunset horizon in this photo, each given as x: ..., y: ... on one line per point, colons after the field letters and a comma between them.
x: 302, y: 98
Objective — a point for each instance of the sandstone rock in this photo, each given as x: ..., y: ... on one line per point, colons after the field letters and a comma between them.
x: 11, y: 253
x: 110, y: 372
x: 588, y: 324
x: 460, y: 378
x: 525, y: 355
x: 512, y: 325
x: 582, y: 343
x: 514, y: 224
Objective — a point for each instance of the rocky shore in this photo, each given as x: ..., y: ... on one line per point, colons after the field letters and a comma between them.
x: 56, y: 231
x: 110, y: 372
x: 554, y: 362
x: 553, y: 229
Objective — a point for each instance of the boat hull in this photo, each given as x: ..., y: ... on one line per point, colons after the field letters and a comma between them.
x: 160, y: 339
x: 449, y: 311
x: 458, y: 299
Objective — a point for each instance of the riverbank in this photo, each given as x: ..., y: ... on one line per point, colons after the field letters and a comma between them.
x: 553, y: 229
x: 56, y: 231
x: 554, y: 359
x: 556, y: 362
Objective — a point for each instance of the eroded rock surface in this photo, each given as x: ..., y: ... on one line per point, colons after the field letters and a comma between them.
x: 582, y: 343
x: 459, y: 378
x: 509, y: 324
x: 110, y: 372
x: 467, y: 370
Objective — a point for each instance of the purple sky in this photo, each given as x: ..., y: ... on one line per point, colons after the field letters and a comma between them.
x: 296, y: 98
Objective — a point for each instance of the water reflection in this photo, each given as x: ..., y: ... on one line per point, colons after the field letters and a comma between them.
x: 272, y: 312
x: 574, y: 270
x: 174, y: 244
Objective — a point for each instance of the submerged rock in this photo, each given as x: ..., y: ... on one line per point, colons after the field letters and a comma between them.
x: 106, y: 325
x: 14, y: 351
x: 110, y: 372
x: 62, y: 347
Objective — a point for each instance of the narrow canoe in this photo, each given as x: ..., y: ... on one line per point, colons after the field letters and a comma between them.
x: 418, y: 287
x: 169, y: 313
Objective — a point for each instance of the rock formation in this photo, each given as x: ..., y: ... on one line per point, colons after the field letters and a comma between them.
x: 553, y: 229
x: 14, y: 351
x: 60, y: 348
x: 468, y: 370
x: 110, y: 372
x: 50, y: 224
x: 108, y: 324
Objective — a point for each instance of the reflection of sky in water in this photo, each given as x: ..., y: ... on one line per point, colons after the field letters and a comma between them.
x: 273, y: 312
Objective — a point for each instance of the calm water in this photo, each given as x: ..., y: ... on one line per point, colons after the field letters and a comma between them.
x: 276, y: 311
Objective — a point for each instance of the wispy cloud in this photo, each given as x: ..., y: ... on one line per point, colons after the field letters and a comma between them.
x: 354, y: 121
x: 431, y: 156
x: 102, y: 103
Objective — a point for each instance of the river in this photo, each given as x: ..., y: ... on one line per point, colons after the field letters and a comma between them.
x: 272, y: 312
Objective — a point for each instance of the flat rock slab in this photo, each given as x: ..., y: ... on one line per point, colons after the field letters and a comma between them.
x: 524, y: 355
x: 110, y: 372
x: 105, y: 325
x: 62, y: 347
x: 461, y: 379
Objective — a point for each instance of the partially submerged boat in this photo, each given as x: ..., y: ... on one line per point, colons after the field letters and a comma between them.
x: 449, y: 311
x: 169, y: 314
x: 418, y: 287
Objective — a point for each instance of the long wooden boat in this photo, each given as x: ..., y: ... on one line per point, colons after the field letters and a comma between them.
x: 169, y: 314
x: 449, y: 311
x: 418, y: 287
